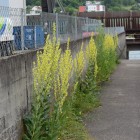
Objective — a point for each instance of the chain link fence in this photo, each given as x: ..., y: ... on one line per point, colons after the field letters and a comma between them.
x: 9, y: 18
x: 114, y: 30
x: 20, y: 31
x: 66, y: 26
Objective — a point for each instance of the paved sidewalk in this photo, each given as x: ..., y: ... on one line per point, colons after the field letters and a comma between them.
x: 119, y: 116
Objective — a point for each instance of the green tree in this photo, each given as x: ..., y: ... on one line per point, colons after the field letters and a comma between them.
x: 28, y: 2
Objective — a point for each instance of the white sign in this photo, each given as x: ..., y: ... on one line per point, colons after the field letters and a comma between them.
x: 134, y: 55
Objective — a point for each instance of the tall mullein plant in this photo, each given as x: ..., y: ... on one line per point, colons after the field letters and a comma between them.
x: 92, y: 71
x: 79, y: 65
x: 44, y: 71
x: 109, y: 51
x: 60, y: 86
x: 90, y: 79
x: 100, y: 57
x: 107, y: 55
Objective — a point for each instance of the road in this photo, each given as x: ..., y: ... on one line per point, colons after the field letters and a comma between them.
x: 119, y: 116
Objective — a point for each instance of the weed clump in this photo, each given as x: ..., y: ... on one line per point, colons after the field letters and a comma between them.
x: 57, y: 114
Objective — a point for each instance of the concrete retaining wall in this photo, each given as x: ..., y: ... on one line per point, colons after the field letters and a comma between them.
x: 15, y: 91
x: 122, y: 46
x: 16, y: 84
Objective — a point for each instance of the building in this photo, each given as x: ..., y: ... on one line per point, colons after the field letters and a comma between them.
x: 97, y: 2
x: 82, y: 8
x: 95, y: 7
x: 94, y: 2
x: 13, y: 3
x: 92, y: 6
x: 88, y: 3
x: 36, y: 10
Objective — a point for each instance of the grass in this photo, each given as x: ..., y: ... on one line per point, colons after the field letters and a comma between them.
x: 73, y: 127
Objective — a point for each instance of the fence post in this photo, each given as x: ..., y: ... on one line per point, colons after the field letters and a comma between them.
x: 57, y: 34
x: 131, y: 20
x: 22, y: 29
x: 87, y: 23
x: 104, y: 19
x: 76, y: 28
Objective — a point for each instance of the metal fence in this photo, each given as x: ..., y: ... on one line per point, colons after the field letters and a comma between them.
x: 21, y: 31
x: 9, y: 18
x: 66, y: 26
x: 128, y: 19
x: 114, y: 30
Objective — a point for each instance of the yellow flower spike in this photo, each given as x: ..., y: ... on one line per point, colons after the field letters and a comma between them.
x: 109, y: 53
x: 68, y: 43
x: 45, y: 69
x: 65, y: 69
x: 79, y: 62
x: 91, y: 55
x: 92, y: 34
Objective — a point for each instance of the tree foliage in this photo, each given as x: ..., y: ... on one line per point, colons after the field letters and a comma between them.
x: 117, y: 5
x: 33, y: 2
x: 71, y: 6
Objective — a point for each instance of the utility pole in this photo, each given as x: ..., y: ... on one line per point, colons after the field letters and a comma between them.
x: 47, y: 5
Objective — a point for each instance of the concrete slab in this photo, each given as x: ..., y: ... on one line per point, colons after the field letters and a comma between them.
x: 119, y: 116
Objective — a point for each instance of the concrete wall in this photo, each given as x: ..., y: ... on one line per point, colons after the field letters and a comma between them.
x: 16, y: 84
x: 15, y: 90
x: 122, y: 46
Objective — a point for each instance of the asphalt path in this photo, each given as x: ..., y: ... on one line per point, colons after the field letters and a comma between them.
x: 118, y: 118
